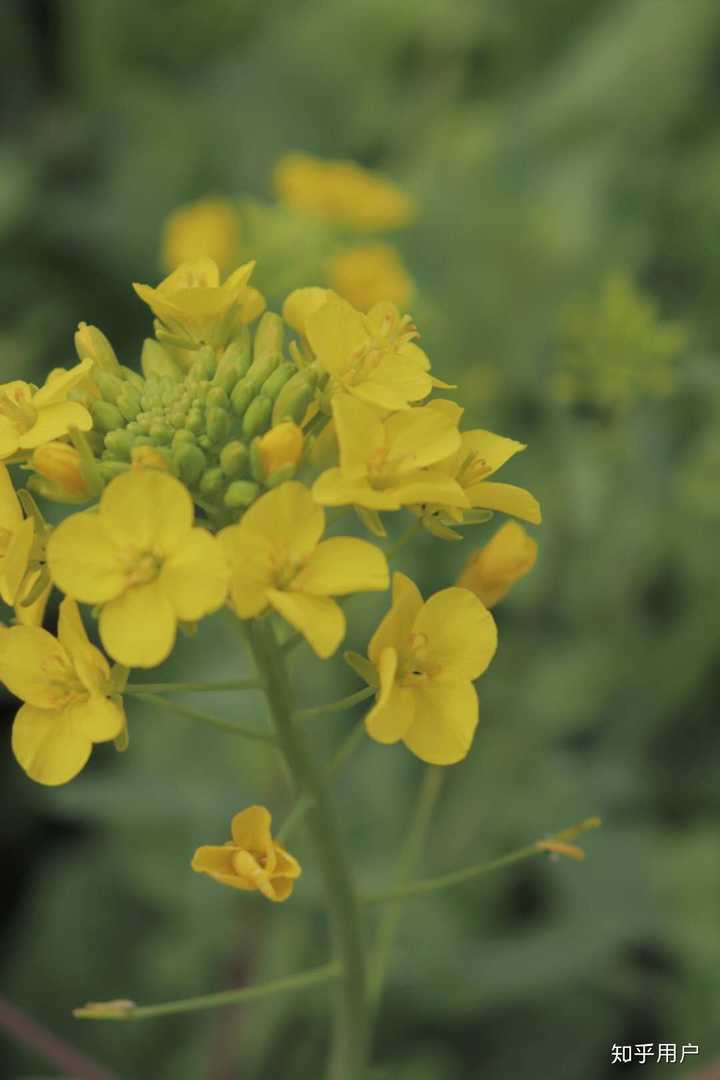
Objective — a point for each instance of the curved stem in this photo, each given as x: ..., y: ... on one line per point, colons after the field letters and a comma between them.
x: 337, y: 706
x: 349, y: 1051
x: 201, y: 717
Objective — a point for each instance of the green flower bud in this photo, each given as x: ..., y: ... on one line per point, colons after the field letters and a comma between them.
x: 293, y: 400
x: 217, y: 425
x: 190, y: 463
x: 218, y: 398
x: 110, y: 386
x: 92, y: 343
x: 110, y: 469
x: 176, y: 419
x: 274, y: 384
x: 281, y: 475
x: 128, y: 402
x: 257, y: 417
x: 106, y: 417
x: 269, y: 335
x: 160, y: 434
x: 262, y: 368
x: 234, y: 459
x: 242, y: 395
x: 195, y: 422
x: 212, y: 481
x: 133, y: 377
x: 240, y: 494
x: 120, y: 443
x: 155, y: 360
x: 182, y: 438
x: 205, y: 365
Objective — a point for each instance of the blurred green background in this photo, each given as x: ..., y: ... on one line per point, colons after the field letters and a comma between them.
x: 553, y: 149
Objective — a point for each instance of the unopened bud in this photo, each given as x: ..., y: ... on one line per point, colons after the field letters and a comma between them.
x: 257, y: 417
x: 190, y: 462
x: 269, y: 336
x: 280, y: 448
x: 106, y: 417
x: 148, y: 457
x: 59, y: 463
x: 156, y: 360
x: 233, y: 459
x: 92, y: 344
x: 240, y: 494
x: 281, y: 375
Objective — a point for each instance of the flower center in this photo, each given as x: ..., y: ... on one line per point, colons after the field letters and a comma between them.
x: 142, y: 567
x: 416, y: 667
x: 473, y: 469
x: 16, y: 407
x: 65, y: 687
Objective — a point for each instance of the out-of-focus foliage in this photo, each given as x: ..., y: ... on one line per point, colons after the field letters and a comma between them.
x: 548, y: 147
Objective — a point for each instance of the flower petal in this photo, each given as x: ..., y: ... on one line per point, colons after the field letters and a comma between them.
x: 250, y: 559
x: 83, y: 561
x: 53, y: 421
x: 59, y: 384
x: 138, y: 628
x: 392, y: 714
x: 10, y: 511
x: 98, y: 718
x: 343, y: 565
x: 444, y: 723
x: 396, y: 627
x: 507, y: 498
x: 335, y: 331
x: 336, y: 488
x: 147, y: 510
x: 359, y: 429
x: 460, y: 631
x: 13, y: 567
x: 33, y: 665
x: 250, y: 829
x: 195, y: 577
x: 216, y: 860
x: 90, y: 664
x: 493, y: 449
x: 48, y: 745
x: 288, y: 518
x: 318, y: 618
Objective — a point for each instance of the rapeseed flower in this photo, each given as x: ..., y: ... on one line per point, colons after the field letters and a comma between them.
x: 369, y: 274
x: 17, y: 536
x: 491, y: 571
x: 278, y: 560
x: 391, y: 463
x: 341, y: 192
x: 196, y: 309
x: 139, y: 557
x: 71, y: 697
x: 207, y: 228
x: 425, y: 656
x: 60, y: 464
x: 30, y: 417
x: 252, y: 860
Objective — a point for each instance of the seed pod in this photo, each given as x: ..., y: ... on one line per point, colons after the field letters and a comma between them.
x: 106, y: 417
x: 240, y: 494
x: 234, y: 459
x: 110, y: 386
x: 257, y: 417
x: 269, y: 335
x: 212, y: 481
x: 190, y: 462
x: 120, y: 443
x: 274, y: 384
x: 217, y: 425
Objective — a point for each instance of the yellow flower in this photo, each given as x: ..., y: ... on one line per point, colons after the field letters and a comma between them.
x: 17, y: 535
x: 387, y: 464
x: 30, y: 417
x: 252, y: 859
x: 369, y: 274
x: 194, y: 307
x: 373, y: 356
x: 425, y: 656
x: 139, y: 556
x: 207, y: 228
x: 69, y: 697
x: 341, y: 192
x: 277, y: 559
x: 492, y: 570
x: 59, y: 463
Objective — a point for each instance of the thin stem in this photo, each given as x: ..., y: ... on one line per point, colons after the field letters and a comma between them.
x: 65, y: 1057
x: 446, y: 881
x: 127, y: 1010
x: 338, y: 706
x: 403, y: 539
x: 390, y: 921
x: 202, y: 687
x: 349, y: 1051
x: 201, y: 717
x: 304, y: 803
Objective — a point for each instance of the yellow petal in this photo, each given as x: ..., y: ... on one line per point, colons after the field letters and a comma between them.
x: 286, y: 865
x: 83, y: 561
x: 460, y: 632
x: 250, y: 559
x: 343, y: 565
x: 33, y: 665
x: 507, y: 498
x: 9, y: 437
x: 10, y: 510
x: 195, y: 577
x: 335, y: 331
x: 48, y: 745
x: 288, y: 518
x: 336, y: 488
x: 444, y: 723
x: 89, y: 663
x: 429, y: 486
x: 493, y: 450
x: 250, y: 829
x: 147, y: 510
x: 33, y: 614
x: 392, y: 714
x: 420, y: 437
x: 492, y: 570
x: 216, y: 861
x: 14, y: 566
x: 396, y: 627
x: 318, y: 618
x: 59, y: 384
x: 301, y: 304
x: 54, y: 421
x: 98, y: 718
x: 359, y: 430
x: 138, y: 628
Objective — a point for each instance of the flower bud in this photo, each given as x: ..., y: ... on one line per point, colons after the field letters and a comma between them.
x: 279, y: 448
x: 269, y: 335
x: 240, y: 494
x: 92, y: 344
x: 212, y: 481
x: 149, y: 457
x: 190, y: 462
x: 59, y: 463
x: 234, y: 458
x: 217, y: 425
x: 128, y: 402
x: 262, y: 368
x: 106, y: 417
x: 120, y: 443
x: 242, y: 395
x: 293, y: 400
x: 491, y: 571
x: 156, y: 360
x: 110, y: 386
x: 274, y: 384
x: 257, y: 416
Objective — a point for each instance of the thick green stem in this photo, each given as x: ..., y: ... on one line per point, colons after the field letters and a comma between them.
x: 350, y: 1045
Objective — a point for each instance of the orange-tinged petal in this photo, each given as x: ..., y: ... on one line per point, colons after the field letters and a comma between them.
x: 318, y: 618
x: 460, y: 633
x: 397, y: 625
x: 48, y: 745
x: 195, y: 578
x: 343, y: 565
x: 83, y: 561
x: 507, y: 498
x: 444, y: 722
x: 138, y: 628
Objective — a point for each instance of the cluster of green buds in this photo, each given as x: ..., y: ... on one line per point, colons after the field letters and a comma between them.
x: 226, y: 421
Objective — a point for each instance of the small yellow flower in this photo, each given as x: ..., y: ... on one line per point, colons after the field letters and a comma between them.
x: 425, y: 657
x: 252, y: 860
x: 341, y: 192
x: 277, y: 559
x: 17, y: 534
x: 373, y: 357
x: 30, y: 417
x: 492, y: 570
x: 139, y: 556
x: 387, y: 464
x: 69, y: 695
x: 370, y: 274
x: 280, y: 447
x: 59, y: 462
x: 194, y: 307
x: 207, y: 228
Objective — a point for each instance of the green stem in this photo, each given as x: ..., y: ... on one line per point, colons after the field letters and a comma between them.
x: 403, y: 539
x: 202, y: 687
x: 387, y: 930
x: 457, y: 877
x: 349, y: 1051
x: 201, y: 717
x: 124, y: 1010
x: 338, y: 706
